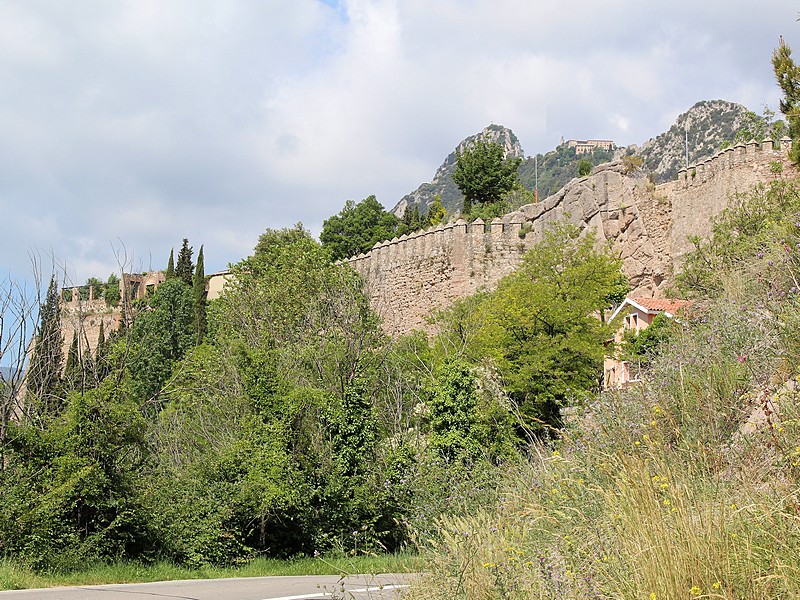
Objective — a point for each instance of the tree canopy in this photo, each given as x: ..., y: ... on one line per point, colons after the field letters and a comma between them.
x: 543, y: 325
x: 483, y: 174
x: 358, y: 227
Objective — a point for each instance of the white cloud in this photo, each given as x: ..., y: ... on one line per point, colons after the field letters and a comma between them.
x: 147, y: 121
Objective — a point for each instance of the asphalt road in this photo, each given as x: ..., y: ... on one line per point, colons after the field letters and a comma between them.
x: 356, y: 587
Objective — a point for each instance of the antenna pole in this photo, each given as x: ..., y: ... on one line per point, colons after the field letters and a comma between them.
x: 686, y: 132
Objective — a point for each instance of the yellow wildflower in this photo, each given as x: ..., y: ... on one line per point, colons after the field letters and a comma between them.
x: 695, y: 590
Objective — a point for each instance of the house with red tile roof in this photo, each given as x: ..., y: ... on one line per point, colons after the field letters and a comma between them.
x: 638, y: 315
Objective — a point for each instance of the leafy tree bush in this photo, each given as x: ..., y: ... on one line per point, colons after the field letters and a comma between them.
x: 483, y: 174
x: 542, y: 327
x: 68, y: 492
x: 437, y: 213
x: 453, y: 415
x: 358, y: 227
x: 160, y: 336
x: 649, y: 342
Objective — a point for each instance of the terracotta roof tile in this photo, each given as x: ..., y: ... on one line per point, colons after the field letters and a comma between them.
x: 670, y: 305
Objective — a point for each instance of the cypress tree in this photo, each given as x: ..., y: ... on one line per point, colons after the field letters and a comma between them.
x: 101, y: 355
x: 72, y: 369
x: 184, y: 268
x: 415, y: 219
x: 199, y: 289
x: 44, y: 371
x: 171, y: 264
x: 787, y: 72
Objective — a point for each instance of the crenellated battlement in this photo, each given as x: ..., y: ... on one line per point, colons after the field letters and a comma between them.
x: 446, y: 262
x: 763, y: 156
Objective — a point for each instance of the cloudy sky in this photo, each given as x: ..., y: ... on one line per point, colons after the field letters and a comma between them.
x: 127, y: 125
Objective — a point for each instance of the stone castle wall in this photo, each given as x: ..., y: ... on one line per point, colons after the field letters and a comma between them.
x: 703, y: 191
x: 647, y: 226
x: 411, y: 275
x: 84, y: 315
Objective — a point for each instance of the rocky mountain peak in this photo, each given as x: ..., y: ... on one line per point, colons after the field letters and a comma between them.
x: 442, y: 182
x: 706, y: 125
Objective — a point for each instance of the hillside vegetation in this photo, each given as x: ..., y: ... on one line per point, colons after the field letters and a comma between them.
x: 686, y: 485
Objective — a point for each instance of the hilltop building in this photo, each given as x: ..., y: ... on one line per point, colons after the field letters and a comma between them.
x: 588, y: 146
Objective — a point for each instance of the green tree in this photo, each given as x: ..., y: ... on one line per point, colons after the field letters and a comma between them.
x: 184, y: 270
x: 159, y: 338
x: 647, y: 343
x: 453, y: 415
x: 111, y: 292
x: 437, y: 214
x: 631, y: 164
x: 44, y: 371
x: 483, y: 174
x: 584, y: 168
x: 543, y: 326
x: 73, y: 371
x: 357, y: 228
x: 411, y: 219
x: 788, y: 75
x: 68, y: 493
x: 170, y: 265
x: 199, y: 291
x: 307, y: 351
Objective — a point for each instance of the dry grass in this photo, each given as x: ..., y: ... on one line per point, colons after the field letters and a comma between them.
x: 638, y: 502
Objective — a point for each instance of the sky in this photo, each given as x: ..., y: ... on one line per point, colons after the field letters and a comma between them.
x: 128, y: 125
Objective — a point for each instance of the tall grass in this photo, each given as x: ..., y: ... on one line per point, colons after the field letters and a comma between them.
x: 687, y: 486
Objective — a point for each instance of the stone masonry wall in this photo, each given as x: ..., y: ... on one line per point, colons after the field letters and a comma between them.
x: 647, y: 226
x: 703, y: 191
x: 409, y: 276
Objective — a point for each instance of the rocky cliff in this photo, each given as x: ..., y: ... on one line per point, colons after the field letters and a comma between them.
x: 702, y: 130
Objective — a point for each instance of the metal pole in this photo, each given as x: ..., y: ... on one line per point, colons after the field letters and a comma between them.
x: 687, y: 148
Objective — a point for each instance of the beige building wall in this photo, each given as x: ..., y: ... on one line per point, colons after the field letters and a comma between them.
x: 216, y: 282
